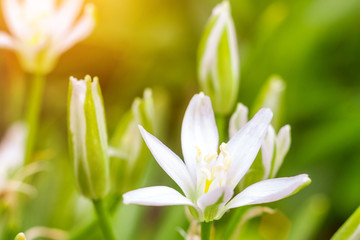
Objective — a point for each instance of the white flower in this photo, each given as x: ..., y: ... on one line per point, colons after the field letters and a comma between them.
x: 208, y: 178
x: 11, y: 151
x: 41, y: 30
x: 11, y: 160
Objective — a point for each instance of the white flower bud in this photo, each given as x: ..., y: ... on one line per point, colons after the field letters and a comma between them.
x: 88, y: 137
x: 218, y: 60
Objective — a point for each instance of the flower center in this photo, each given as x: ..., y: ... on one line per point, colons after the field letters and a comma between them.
x: 213, y: 170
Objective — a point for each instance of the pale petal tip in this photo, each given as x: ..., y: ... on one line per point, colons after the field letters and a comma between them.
x: 221, y: 8
x: 73, y: 79
x: 304, y: 181
x: 125, y: 199
x: 200, y: 94
x: 286, y: 127
x: 90, y: 9
x: 141, y: 128
x: 266, y: 113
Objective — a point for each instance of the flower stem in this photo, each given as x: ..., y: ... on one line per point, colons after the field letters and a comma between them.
x: 104, y: 220
x: 206, y: 230
x: 222, y: 127
x: 234, y: 221
x: 87, y: 227
x: 32, y: 115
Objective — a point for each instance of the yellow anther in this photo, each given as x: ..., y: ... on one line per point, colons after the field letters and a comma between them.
x: 208, y: 158
x: 198, y: 154
x: 224, y: 150
x: 227, y: 162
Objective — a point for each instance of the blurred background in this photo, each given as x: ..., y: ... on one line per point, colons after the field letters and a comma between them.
x: 313, y: 44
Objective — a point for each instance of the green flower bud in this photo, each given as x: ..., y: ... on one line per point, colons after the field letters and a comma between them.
x: 238, y: 119
x: 87, y: 137
x: 128, y: 151
x: 271, y: 96
x: 282, y: 146
x: 20, y: 236
x: 218, y: 60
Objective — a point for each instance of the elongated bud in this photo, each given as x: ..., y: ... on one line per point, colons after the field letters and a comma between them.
x: 273, y: 149
x: 218, y: 60
x: 88, y: 137
x: 271, y: 96
x: 238, y: 119
x: 283, y: 141
x: 128, y: 151
x: 267, y: 151
x: 20, y: 236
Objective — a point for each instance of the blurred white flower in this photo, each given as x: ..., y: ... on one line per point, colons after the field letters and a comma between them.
x: 41, y: 30
x: 11, y: 159
x: 11, y: 150
x: 208, y: 178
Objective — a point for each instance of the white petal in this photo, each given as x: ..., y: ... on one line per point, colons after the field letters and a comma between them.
x: 213, y: 197
x: 238, y: 119
x: 267, y: 151
x: 283, y: 141
x: 245, y: 145
x: 269, y: 190
x: 14, y: 17
x: 80, y: 31
x: 169, y: 161
x: 65, y: 17
x: 6, y: 41
x: 38, y: 8
x: 12, y: 146
x: 199, y: 131
x: 156, y: 196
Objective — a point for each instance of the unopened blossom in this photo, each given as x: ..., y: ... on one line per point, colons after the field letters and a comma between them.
x: 88, y: 137
x: 20, y: 236
x: 271, y: 95
x: 274, y: 147
x: 218, y: 59
x: 127, y: 151
x: 41, y: 30
x: 210, y: 173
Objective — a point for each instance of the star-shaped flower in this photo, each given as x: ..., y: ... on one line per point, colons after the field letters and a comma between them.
x: 208, y: 177
x: 41, y: 30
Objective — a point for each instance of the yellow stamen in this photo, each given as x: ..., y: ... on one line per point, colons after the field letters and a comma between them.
x: 207, y: 184
x: 224, y: 150
x: 208, y: 158
x: 198, y: 154
x: 227, y: 163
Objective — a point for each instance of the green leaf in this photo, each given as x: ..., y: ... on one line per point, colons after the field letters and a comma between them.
x: 350, y: 230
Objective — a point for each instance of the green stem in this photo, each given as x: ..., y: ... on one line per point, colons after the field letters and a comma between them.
x: 222, y: 127
x: 32, y: 115
x: 89, y: 226
x: 234, y: 221
x: 206, y: 230
x: 104, y: 220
